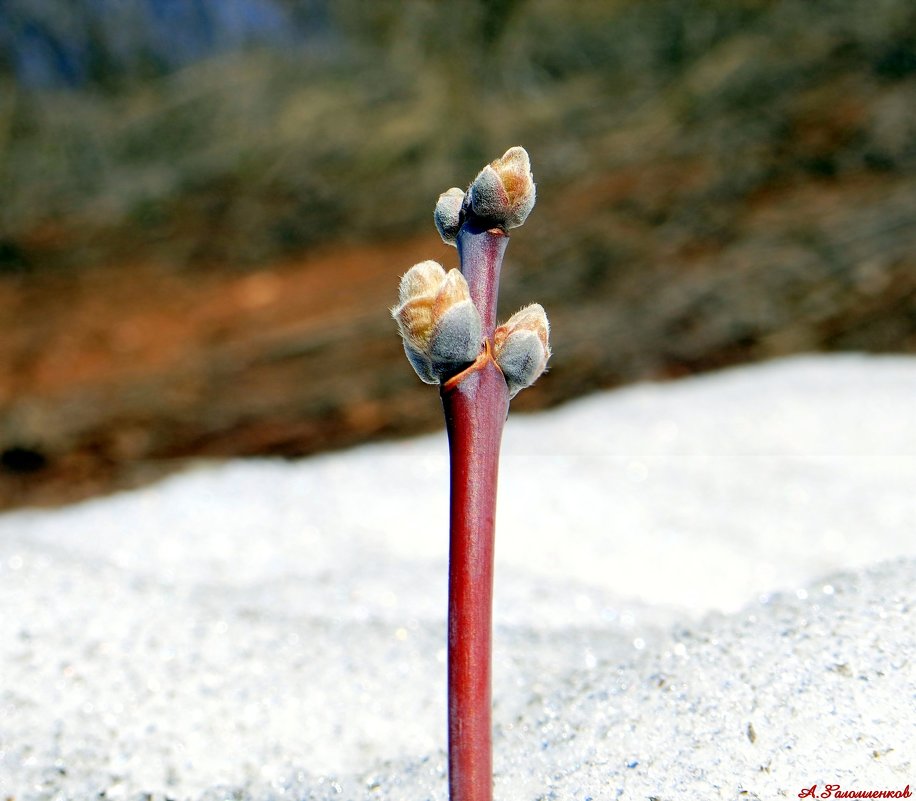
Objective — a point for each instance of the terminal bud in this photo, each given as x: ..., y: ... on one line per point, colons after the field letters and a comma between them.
x: 521, y: 347
x: 439, y: 324
x: 503, y: 193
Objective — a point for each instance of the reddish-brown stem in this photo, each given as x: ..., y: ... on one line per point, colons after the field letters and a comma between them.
x: 476, y: 402
x: 481, y: 253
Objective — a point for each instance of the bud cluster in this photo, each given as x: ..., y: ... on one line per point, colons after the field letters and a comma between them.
x: 438, y: 321
x: 439, y: 324
x: 502, y: 195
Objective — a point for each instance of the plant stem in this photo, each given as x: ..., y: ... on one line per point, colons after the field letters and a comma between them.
x: 481, y: 254
x: 476, y: 402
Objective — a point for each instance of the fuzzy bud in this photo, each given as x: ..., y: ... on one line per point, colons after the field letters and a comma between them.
x: 521, y: 347
x: 448, y: 214
x: 504, y: 191
x: 439, y: 324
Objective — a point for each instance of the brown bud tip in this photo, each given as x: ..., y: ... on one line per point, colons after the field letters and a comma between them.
x: 504, y: 192
x: 421, y: 279
x: 521, y: 347
x: 448, y: 214
x: 415, y: 320
x: 454, y: 289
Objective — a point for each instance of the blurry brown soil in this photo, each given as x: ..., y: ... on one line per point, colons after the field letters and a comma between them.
x: 111, y: 376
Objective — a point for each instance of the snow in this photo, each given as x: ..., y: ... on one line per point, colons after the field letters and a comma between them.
x: 704, y: 590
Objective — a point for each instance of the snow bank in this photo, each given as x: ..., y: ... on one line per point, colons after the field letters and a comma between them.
x: 704, y: 590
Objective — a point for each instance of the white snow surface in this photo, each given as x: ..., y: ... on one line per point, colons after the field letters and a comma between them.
x: 704, y: 590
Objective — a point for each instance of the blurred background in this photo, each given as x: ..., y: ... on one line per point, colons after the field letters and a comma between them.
x: 206, y: 206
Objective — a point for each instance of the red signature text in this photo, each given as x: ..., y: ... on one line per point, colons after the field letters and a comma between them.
x: 836, y: 791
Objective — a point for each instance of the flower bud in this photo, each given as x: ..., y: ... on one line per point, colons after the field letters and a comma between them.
x: 521, y: 347
x: 448, y: 214
x: 439, y: 324
x: 504, y: 192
